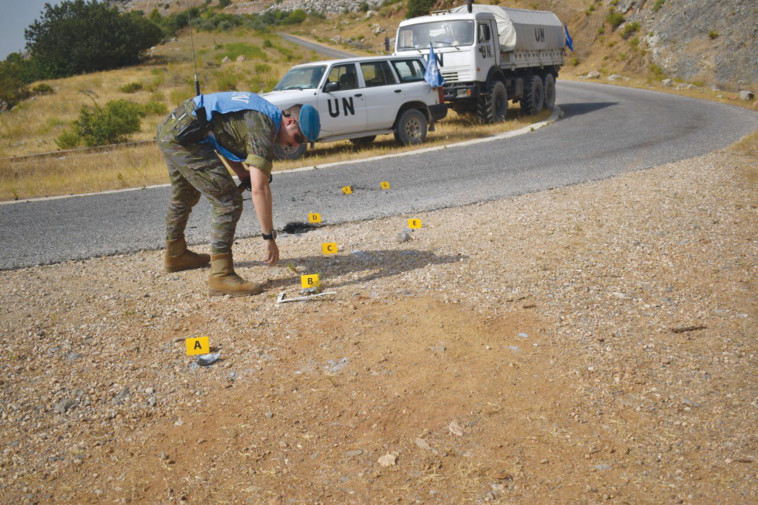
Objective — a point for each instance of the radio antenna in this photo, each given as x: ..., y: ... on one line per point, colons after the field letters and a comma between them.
x: 192, y: 42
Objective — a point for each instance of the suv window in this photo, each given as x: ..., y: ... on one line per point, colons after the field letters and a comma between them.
x: 345, y: 75
x: 409, y: 70
x: 377, y: 73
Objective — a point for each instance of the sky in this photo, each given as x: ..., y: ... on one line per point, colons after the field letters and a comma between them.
x: 16, y: 16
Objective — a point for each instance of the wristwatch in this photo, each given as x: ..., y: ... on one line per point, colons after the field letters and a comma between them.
x: 269, y: 236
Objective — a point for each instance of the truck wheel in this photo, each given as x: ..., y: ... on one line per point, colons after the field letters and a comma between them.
x: 289, y: 153
x: 363, y: 141
x: 493, y: 106
x: 533, y: 95
x: 411, y: 127
x: 549, y: 91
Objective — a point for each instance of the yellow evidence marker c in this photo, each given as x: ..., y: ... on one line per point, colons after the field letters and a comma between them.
x: 384, y: 185
x: 329, y: 248
x: 199, y: 345
x: 310, y: 281
x: 314, y: 217
x: 414, y: 224
x: 348, y: 190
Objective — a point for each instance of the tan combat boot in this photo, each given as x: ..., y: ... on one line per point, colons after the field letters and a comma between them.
x: 223, y: 280
x: 178, y: 257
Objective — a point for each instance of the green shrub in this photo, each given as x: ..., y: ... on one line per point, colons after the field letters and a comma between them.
x: 634, y: 42
x: 109, y: 125
x: 713, y: 34
x: 226, y: 81
x: 630, y: 29
x: 658, y: 5
x: 42, y: 89
x: 69, y: 139
x: 267, y: 44
x: 614, y: 18
x: 131, y: 87
x: 262, y: 68
x: 601, y: 30
x: 155, y: 108
x: 418, y: 8
x: 657, y: 71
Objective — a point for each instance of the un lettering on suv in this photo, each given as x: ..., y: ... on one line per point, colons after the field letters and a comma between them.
x: 360, y: 98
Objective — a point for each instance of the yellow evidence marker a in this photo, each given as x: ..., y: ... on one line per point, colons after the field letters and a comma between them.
x: 348, y: 190
x: 309, y: 281
x: 384, y: 185
x: 314, y: 217
x: 329, y: 248
x: 414, y: 224
x: 199, y: 345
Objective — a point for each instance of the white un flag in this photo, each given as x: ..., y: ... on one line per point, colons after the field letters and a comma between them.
x: 432, y: 74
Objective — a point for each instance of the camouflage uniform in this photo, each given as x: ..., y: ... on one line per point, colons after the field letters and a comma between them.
x: 196, y: 169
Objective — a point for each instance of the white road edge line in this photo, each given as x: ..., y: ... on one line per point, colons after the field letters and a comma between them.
x: 521, y: 131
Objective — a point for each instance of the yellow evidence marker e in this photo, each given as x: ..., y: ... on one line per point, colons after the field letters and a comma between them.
x: 310, y: 281
x: 199, y: 345
x: 348, y: 190
x: 384, y: 185
x: 314, y: 217
x: 414, y: 224
x: 329, y: 248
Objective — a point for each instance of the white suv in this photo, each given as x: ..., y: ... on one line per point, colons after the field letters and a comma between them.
x: 360, y: 98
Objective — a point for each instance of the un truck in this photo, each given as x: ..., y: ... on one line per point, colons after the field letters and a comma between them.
x: 489, y: 54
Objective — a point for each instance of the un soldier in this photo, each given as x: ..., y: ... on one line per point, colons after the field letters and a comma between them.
x: 241, y: 127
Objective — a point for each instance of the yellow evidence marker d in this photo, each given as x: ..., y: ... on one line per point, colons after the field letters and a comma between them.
x: 329, y: 248
x: 314, y: 217
x: 384, y: 185
x: 309, y: 281
x: 348, y: 190
x: 199, y: 345
x: 414, y: 224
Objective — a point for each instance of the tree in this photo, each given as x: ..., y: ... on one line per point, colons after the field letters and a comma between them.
x: 77, y: 37
x: 419, y: 8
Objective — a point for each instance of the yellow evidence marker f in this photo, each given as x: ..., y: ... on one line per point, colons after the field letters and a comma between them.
x: 329, y: 248
x: 199, y: 345
x: 414, y: 224
x: 384, y: 185
x: 313, y: 217
x: 310, y: 281
x: 348, y: 190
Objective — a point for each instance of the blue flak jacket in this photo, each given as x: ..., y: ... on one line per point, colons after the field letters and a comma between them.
x: 235, y: 101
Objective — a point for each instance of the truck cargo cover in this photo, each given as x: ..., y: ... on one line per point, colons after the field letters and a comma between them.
x: 523, y: 29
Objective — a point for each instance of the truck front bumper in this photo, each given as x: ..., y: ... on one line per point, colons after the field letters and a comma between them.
x: 462, y: 91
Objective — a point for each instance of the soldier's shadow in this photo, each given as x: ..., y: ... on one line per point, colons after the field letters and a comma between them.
x: 353, y: 268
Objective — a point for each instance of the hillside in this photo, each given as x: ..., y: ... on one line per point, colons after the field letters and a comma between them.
x: 713, y: 44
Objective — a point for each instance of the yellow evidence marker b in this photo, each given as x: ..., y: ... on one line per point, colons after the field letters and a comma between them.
x: 310, y: 281
x: 348, y: 190
x: 414, y: 224
x: 329, y: 248
x: 313, y: 217
x: 199, y: 345
x: 384, y: 185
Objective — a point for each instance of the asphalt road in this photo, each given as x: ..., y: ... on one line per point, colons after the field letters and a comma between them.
x: 605, y: 131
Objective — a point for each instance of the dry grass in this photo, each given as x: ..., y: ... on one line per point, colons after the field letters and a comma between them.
x: 140, y: 166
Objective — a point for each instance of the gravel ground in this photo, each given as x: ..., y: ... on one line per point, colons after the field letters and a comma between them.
x: 588, y: 344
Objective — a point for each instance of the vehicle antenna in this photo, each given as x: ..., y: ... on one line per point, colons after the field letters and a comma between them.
x: 192, y: 43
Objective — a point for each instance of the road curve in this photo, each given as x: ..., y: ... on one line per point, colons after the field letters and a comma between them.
x: 606, y: 130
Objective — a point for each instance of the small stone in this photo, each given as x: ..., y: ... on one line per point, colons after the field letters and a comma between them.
x: 746, y: 95
x: 455, y: 429
x: 403, y: 236
x: 422, y: 444
x: 63, y: 406
x: 152, y: 401
x: 388, y: 459
x: 269, y: 414
x: 123, y: 395
x: 353, y: 453
x: 602, y: 467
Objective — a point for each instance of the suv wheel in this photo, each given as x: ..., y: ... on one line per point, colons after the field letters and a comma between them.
x: 289, y: 153
x: 411, y: 127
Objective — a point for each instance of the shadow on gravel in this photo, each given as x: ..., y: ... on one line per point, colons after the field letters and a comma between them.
x: 577, y: 109
x: 368, y: 265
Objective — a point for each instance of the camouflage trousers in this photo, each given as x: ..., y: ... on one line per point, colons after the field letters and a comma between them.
x: 196, y: 170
